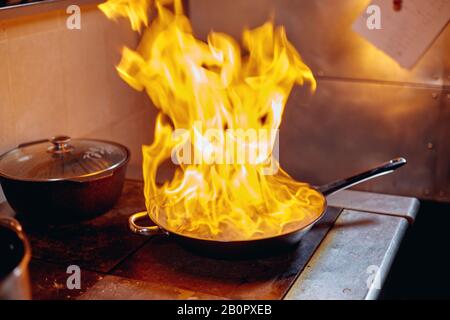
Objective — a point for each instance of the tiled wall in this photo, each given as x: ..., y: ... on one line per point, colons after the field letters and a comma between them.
x: 59, y: 81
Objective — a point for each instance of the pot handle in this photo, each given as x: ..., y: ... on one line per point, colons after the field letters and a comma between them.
x: 12, y: 223
x: 380, y: 170
x: 143, y: 230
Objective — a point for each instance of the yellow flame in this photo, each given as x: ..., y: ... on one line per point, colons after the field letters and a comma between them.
x: 216, y: 86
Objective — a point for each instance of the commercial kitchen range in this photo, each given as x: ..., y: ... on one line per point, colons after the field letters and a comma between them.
x: 126, y: 172
x: 357, y: 239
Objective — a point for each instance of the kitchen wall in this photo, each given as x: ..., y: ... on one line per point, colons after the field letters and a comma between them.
x: 366, y: 108
x: 59, y: 81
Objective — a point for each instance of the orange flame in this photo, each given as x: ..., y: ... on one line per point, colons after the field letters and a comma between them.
x: 209, y: 89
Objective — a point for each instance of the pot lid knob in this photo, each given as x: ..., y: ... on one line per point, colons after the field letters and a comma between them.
x: 60, y: 144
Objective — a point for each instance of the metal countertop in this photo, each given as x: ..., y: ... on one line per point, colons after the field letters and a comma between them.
x: 357, y: 249
x: 355, y: 256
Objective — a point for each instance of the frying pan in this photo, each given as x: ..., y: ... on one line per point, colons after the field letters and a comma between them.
x: 261, y: 246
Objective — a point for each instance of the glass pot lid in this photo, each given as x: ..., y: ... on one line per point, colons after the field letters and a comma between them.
x: 62, y: 158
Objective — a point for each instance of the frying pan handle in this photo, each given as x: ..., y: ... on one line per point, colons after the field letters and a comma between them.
x: 143, y: 230
x: 380, y: 170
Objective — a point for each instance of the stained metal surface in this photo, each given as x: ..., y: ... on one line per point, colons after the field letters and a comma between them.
x: 322, y: 32
x: 117, y: 288
x: 366, y: 108
x: 120, y: 263
x: 348, y: 126
x: 28, y: 9
x: 164, y: 262
x: 160, y: 269
x: 98, y: 244
x: 49, y: 281
x: 442, y: 191
x: 405, y: 207
x: 360, y: 248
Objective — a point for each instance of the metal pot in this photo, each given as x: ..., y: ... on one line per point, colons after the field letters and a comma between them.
x: 63, y: 180
x: 15, y: 255
x: 264, y: 246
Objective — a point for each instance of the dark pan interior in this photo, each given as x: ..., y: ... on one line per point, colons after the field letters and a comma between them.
x: 12, y: 251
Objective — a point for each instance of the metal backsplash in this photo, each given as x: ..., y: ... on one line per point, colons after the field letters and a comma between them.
x: 366, y: 110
